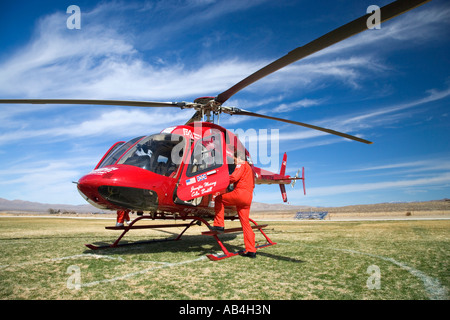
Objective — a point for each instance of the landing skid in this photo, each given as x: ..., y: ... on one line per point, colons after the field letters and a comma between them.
x: 227, y: 254
x: 195, y: 220
x: 217, y: 257
x: 132, y: 226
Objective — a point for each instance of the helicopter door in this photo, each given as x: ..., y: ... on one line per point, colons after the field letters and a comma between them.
x: 206, y: 171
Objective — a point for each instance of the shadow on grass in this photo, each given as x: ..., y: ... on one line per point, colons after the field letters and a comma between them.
x: 197, y: 245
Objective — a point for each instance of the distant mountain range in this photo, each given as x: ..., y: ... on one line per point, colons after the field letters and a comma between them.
x: 27, y: 206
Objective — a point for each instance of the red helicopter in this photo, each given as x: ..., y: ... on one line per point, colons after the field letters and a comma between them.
x: 175, y: 174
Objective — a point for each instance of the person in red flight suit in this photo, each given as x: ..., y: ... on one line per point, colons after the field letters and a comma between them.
x: 122, y: 216
x: 241, y: 197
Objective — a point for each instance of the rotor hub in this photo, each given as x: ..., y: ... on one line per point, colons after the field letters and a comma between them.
x: 204, y: 100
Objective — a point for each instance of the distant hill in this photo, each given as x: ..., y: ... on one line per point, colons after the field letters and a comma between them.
x: 27, y: 206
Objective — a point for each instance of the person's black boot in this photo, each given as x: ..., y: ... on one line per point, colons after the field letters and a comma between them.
x: 249, y: 254
x: 218, y: 229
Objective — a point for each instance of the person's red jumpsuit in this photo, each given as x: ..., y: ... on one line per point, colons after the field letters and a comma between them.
x: 241, y: 197
x: 122, y: 216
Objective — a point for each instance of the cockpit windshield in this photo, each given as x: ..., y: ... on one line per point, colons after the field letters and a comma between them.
x: 117, y: 152
x: 159, y: 153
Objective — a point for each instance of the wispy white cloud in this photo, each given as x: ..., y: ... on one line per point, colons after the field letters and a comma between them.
x: 443, y: 178
x: 99, y: 62
x: 50, y: 179
x: 111, y: 123
x: 375, y: 115
x: 303, y: 103
x: 435, y: 164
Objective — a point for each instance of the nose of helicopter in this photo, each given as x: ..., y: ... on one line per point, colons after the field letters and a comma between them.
x: 115, y: 188
x: 88, y: 188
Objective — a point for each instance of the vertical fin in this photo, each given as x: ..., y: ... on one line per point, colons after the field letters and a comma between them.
x: 283, y: 165
x: 283, y: 192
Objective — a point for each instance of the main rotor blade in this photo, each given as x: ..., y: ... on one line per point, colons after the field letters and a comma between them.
x: 129, y: 103
x: 337, y: 133
x: 356, y: 26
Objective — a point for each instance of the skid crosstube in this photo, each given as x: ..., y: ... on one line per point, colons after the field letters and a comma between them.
x: 195, y: 220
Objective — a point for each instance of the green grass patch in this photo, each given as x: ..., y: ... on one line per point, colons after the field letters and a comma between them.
x: 315, y: 260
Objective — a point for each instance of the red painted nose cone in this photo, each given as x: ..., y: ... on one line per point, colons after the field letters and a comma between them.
x: 88, y: 188
x: 121, y: 187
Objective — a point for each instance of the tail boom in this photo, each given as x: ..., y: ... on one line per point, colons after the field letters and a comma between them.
x: 267, y: 177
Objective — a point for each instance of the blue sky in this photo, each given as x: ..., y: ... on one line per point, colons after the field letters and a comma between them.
x: 390, y: 86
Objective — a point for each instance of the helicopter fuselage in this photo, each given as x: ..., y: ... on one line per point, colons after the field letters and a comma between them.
x: 178, y: 171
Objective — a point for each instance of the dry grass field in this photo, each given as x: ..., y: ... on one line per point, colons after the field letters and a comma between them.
x: 45, y: 258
